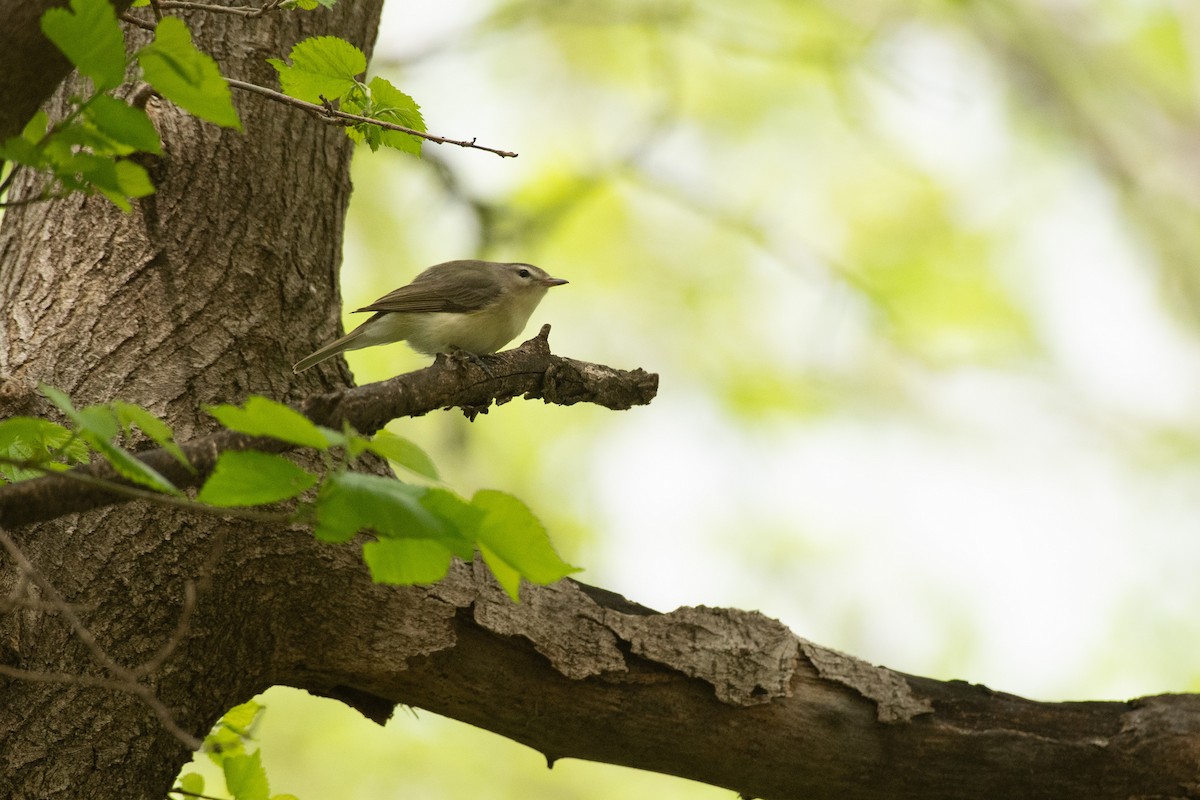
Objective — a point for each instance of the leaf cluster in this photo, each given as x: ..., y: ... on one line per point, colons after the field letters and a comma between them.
x: 326, y: 70
x: 230, y: 746
x: 415, y: 528
x: 95, y: 147
x: 90, y: 149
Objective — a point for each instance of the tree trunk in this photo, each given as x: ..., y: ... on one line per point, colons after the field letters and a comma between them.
x: 204, y: 294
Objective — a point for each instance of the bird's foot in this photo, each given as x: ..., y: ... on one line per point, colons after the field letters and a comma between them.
x: 481, y: 360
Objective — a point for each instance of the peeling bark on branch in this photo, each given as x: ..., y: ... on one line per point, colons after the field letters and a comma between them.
x: 530, y: 370
x: 735, y: 699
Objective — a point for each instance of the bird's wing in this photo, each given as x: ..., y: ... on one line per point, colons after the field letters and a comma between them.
x: 472, y: 290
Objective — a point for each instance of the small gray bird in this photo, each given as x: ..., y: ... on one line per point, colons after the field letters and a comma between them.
x: 474, y: 306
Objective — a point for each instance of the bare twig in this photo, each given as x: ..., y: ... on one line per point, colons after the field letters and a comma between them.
x: 336, y: 116
x: 168, y: 647
x: 245, y: 11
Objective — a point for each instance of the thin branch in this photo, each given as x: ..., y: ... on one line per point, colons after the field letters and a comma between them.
x: 245, y: 11
x: 336, y: 116
x: 168, y: 647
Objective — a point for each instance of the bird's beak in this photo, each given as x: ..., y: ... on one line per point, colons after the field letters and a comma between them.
x: 554, y: 282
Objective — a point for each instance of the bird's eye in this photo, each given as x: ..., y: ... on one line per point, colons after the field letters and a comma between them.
x: 524, y: 273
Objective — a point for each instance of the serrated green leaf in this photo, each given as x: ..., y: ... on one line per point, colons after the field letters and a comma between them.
x: 403, y: 452
x: 98, y: 425
x: 406, y: 561
x: 510, y: 535
x: 251, y: 478
x: 349, y: 502
x: 91, y: 39
x: 187, y: 77
x: 245, y: 777
x: 40, y: 441
x: 131, y: 414
x: 508, y: 578
x: 264, y: 417
x: 125, y: 125
x: 389, y: 104
x: 321, y: 66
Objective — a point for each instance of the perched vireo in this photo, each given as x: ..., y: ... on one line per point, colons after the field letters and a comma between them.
x: 475, y: 306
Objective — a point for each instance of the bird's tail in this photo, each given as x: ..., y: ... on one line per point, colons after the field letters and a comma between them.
x: 347, y: 342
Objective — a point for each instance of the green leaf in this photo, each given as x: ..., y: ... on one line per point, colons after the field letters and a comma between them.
x: 99, y: 420
x: 322, y: 66
x: 403, y: 452
x: 245, y: 777
x: 228, y: 737
x: 459, y: 515
x: 192, y: 783
x: 187, y: 77
x: 406, y: 561
x: 508, y: 577
x: 511, y: 536
x: 118, y: 180
x: 263, y: 417
x: 40, y: 441
x: 59, y: 398
x: 98, y: 426
x: 350, y: 501
x: 125, y: 125
x: 251, y: 478
x: 242, y: 718
x: 392, y: 105
x: 90, y: 38
x: 26, y: 149
x: 130, y: 414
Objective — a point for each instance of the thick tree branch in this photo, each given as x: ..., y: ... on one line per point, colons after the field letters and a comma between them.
x: 728, y: 697
x: 530, y: 370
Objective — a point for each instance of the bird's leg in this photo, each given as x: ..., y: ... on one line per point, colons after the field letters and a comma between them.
x: 478, y: 359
